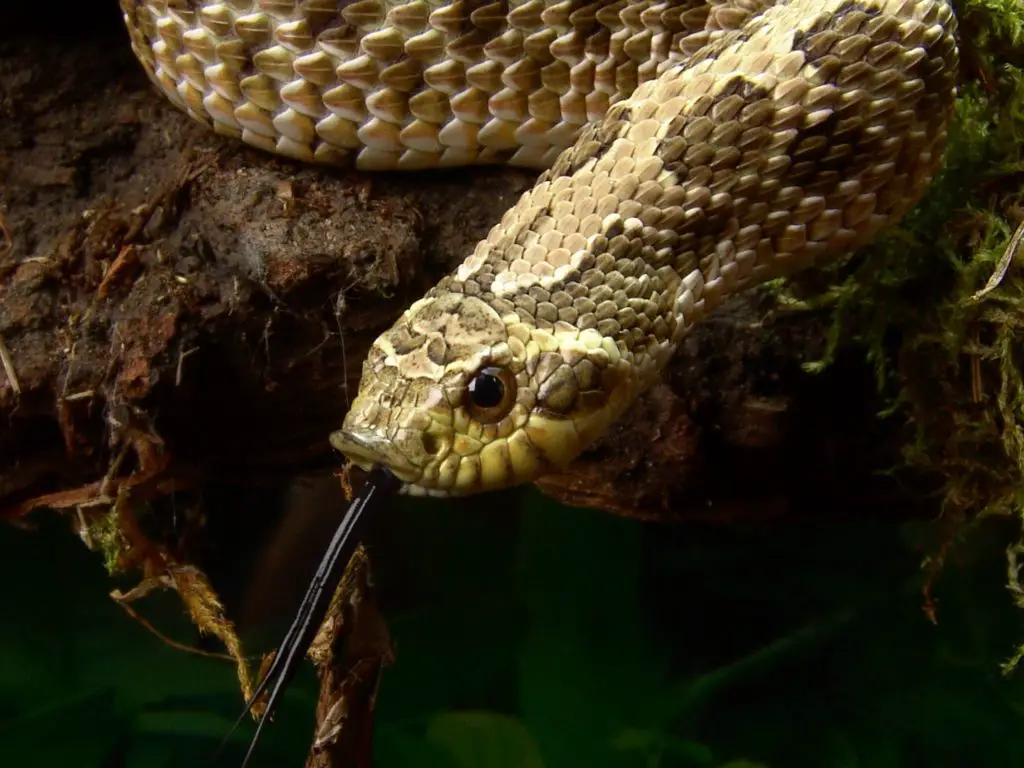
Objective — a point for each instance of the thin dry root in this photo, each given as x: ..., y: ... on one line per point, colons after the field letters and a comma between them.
x: 139, y: 591
x: 208, y: 615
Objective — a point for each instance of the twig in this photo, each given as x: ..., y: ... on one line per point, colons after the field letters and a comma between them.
x: 85, y: 394
x: 179, y: 370
x: 976, y: 371
x: 1013, y: 571
x: 67, y: 373
x: 5, y: 232
x: 73, y: 497
x: 141, y: 590
x: 340, y: 306
x: 1011, y: 252
x: 107, y: 485
x: 8, y: 364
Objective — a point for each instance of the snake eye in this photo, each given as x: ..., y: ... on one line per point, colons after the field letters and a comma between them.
x: 491, y: 394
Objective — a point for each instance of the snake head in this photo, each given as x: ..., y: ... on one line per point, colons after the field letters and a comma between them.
x: 456, y: 399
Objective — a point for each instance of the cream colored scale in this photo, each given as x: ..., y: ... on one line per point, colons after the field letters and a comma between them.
x: 390, y: 85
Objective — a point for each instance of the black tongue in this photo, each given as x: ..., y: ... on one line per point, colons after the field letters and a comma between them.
x: 380, y: 486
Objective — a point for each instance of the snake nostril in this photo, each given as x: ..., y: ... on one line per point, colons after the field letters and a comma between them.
x: 431, y: 444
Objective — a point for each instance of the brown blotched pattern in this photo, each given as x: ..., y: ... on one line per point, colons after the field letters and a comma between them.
x: 710, y: 147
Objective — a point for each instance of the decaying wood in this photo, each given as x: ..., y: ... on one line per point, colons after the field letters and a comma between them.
x: 351, y: 652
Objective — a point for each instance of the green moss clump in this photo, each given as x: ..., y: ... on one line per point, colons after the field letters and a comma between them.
x: 948, y: 354
x: 105, y: 534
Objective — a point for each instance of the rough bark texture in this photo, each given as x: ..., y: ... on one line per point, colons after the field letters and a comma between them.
x: 227, y: 295
x: 226, y: 298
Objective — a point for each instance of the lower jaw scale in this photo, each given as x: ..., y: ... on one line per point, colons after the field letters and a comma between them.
x: 407, y: 477
x: 420, y: 492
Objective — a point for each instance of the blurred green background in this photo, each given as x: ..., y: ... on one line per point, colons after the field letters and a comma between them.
x: 529, y: 634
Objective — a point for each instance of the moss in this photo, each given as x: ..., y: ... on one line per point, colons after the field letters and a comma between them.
x: 947, y: 355
x: 105, y: 532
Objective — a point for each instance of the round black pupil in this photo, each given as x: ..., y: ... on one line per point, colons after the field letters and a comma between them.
x: 486, y: 390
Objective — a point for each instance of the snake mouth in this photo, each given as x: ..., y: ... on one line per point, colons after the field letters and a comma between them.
x: 366, y: 452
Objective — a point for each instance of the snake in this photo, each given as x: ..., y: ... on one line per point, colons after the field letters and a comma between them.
x: 687, y: 150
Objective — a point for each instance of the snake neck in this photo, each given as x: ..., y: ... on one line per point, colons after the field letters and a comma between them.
x: 773, y: 147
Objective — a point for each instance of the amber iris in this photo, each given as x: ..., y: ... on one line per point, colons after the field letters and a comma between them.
x: 490, y: 394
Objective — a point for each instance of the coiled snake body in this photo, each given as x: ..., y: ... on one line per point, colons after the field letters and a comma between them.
x: 692, y: 149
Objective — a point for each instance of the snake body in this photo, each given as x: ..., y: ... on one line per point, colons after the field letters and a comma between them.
x: 692, y: 150
x: 386, y: 84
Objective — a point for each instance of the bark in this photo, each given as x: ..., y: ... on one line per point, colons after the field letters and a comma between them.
x: 223, y: 296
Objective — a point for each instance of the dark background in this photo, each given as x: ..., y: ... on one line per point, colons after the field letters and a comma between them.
x: 529, y: 634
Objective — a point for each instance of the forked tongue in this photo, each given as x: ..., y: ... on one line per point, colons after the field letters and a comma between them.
x: 380, y: 486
